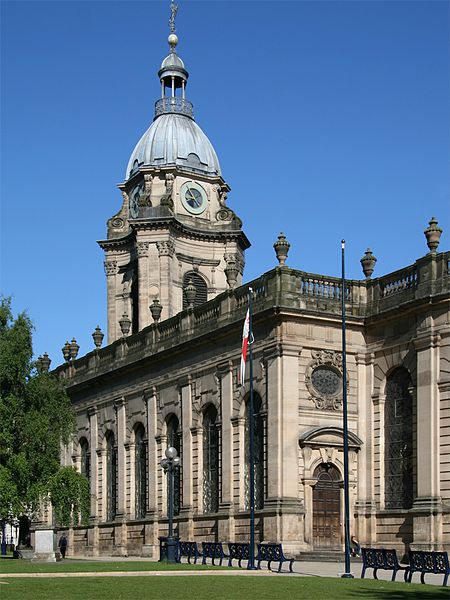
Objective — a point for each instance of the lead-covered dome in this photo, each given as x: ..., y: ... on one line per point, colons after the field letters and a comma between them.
x: 174, y: 139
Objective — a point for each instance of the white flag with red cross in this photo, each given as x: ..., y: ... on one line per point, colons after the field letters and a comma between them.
x: 245, y: 341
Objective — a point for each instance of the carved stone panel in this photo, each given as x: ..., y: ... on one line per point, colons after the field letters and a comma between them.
x: 324, y: 379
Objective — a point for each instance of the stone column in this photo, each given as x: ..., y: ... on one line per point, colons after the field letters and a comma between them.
x: 151, y: 529
x: 238, y: 424
x: 226, y: 525
x: 427, y: 507
x: 378, y: 401
x: 111, y: 270
x: 283, y: 467
x: 143, y: 312
x: 186, y: 511
x: 120, y: 529
x: 198, y: 433
x: 166, y: 251
x: 130, y: 506
x: 120, y: 408
x: 94, y: 483
x: 103, y: 503
x: 365, y: 503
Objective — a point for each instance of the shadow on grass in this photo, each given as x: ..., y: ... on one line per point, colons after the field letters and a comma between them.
x: 429, y: 592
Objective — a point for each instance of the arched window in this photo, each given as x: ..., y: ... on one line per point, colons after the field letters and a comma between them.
x: 85, y: 459
x: 259, y: 452
x: 173, y: 439
x: 210, y: 461
x: 140, y: 470
x: 200, y: 286
x: 398, y: 428
x: 111, y: 476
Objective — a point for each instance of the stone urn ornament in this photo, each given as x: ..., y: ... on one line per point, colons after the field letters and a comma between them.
x: 231, y: 271
x: 433, y: 234
x: 125, y: 324
x: 98, y: 336
x: 281, y: 247
x: 66, y: 351
x: 368, y: 263
x: 156, y: 309
x: 73, y: 349
x: 190, y: 292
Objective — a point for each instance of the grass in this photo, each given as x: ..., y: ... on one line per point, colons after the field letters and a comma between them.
x: 215, y: 588
x: 82, y: 566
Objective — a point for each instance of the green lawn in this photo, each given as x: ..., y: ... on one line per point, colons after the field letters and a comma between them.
x: 217, y: 587
x: 82, y: 566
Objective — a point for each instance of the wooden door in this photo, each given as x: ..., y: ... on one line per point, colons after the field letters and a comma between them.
x: 327, y: 508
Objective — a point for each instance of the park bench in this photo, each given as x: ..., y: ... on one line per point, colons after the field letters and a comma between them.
x: 272, y: 553
x: 239, y: 551
x: 189, y: 550
x: 381, y: 558
x: 428, y: 562
x: 213, y: 550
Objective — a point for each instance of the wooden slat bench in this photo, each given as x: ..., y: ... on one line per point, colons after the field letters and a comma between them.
x: 381, y: 558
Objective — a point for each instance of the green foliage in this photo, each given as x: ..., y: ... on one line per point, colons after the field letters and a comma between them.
x: 70, y: 497
x: 35, y: 415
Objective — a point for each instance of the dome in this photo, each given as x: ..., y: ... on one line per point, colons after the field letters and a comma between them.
x: 174, y: 139
x: 172, y: 60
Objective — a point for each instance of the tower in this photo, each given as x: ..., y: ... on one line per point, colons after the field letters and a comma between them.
x: 174, y: 241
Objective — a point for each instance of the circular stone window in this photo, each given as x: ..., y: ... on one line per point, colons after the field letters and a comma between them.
x: 326, y: 381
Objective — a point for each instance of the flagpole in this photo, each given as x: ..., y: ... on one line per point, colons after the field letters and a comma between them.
x: 347, y: 573
x: 251, y: 562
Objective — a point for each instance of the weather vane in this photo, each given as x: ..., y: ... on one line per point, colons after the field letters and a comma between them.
x: 173, y: 14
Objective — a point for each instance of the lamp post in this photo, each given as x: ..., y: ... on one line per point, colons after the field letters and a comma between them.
x: 169, y: 464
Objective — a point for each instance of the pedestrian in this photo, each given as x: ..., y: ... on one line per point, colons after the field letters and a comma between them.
x: 62, y: 544
x: 355, y: 546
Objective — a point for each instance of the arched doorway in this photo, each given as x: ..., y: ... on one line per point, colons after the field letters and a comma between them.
x: 327, y: 508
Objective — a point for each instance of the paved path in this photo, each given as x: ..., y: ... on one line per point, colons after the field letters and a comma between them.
x: 301, y: 569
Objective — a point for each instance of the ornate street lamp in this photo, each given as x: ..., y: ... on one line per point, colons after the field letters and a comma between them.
x: 169, y: 464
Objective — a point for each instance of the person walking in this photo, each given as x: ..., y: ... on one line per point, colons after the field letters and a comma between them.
x: 62, y: 544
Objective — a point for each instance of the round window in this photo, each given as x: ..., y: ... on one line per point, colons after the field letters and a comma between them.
x: 326, y: 381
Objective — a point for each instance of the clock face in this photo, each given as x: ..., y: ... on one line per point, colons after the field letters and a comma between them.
x: 135, y: 195
x: 193, y: 197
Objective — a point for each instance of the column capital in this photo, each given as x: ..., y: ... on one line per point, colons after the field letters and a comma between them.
x: 119, y: 402
x: 111, y: 267
x: 142, y: 249
x: 92, y: 411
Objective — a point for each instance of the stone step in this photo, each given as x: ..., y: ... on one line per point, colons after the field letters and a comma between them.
x: 325, y: 556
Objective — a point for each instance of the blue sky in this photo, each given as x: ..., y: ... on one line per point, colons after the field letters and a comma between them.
x: 330, y: 120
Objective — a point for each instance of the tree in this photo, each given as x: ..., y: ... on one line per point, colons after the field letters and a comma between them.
x: 36, y: 418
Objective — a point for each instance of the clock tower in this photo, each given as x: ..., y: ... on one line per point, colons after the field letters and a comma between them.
x: 174, y: 243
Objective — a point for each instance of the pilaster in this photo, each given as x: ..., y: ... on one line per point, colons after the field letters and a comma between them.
x: 120, y: 407
x: 111, y: 270
x: 93, y: 430
x: 427, y: 506
x: 143, y: 284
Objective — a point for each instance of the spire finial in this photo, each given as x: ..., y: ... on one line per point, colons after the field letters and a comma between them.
x: 173, y: 38
x: 173, y: 14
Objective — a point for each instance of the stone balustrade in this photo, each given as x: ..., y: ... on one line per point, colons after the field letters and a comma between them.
x: 281, y: 288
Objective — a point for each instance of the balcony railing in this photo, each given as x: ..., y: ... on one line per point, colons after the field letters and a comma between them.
x: 179, y: 106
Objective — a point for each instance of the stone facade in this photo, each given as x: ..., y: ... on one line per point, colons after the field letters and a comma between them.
x: 184, y: 364
x: 174, y: 259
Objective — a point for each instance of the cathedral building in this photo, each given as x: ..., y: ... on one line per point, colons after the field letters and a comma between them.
x: 174, y: 262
